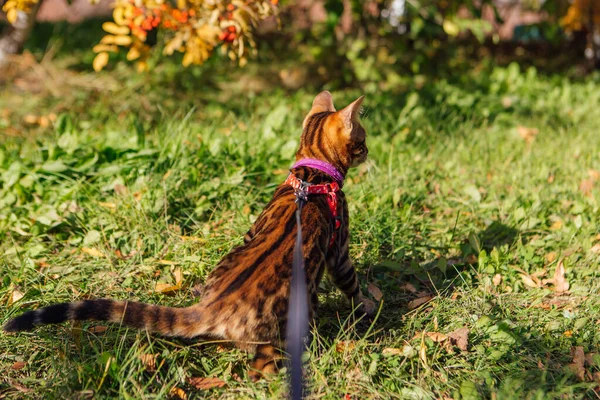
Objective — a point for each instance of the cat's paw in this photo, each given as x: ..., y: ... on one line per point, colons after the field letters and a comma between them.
x: 369, y: 307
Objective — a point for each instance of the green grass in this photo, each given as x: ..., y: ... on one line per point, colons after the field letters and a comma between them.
x: 165, y: 166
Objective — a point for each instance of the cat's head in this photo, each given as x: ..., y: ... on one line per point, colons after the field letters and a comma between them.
x: 333, y: 136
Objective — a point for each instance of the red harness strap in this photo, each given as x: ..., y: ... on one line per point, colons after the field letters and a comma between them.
x: 329, y: 189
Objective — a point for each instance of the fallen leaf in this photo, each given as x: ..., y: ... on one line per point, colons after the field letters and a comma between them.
x: 166, y: 288
x: 551, y: 257
x: 178, y: 392
x: 98, y: 329
x: 375, y: 291
x: 92, y: 252
x: 206, y: 383
x: 497, y: 279
x: 178, y: 274
x: 149, y: 361
x: 121, y: 189
x: 527, y: 134
x: 18, y: 365
x: 594, y: 174
x: 560, y: 282
x: 436, y: 336
x: 167, y: 262
x: 391, y: 351
x: 595, y: 248
x: 596, y: 376
x: 556, y: 225
x: 578, y: 361
x: 423, y: 353
x: 586, y: 186
x: 15, y: 296
x: 568, y: 333
x: 107, y: 205
x: 408, y: 287
x: 528, y: 281
x: 460, y: 338
x: 345, y: 345
x: 589, y: 359
x: 418, y: 302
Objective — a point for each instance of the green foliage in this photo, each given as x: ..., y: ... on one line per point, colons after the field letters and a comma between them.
x: 116, y: 193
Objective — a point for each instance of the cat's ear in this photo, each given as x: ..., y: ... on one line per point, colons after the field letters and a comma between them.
x: 323, y: 102
x: 351, y: 112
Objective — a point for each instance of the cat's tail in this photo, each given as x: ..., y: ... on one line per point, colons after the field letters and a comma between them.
x: 168, y: 321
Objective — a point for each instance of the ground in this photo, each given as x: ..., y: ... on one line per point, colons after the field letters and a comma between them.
x: 475, y: 223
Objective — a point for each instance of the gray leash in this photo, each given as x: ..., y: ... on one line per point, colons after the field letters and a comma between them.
x: 297, y: 323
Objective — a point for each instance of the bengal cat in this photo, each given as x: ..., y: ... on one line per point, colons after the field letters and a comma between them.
x: 245, y: 299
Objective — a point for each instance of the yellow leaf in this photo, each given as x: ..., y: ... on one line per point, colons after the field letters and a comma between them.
x: 92, y: 252
x: 436, y: 336
x: 166, y: 288
x: 11, y: 15
x: 345, y: 345
x: 105, y: 47
x: 528, y: 281
x: 178, y: 274
x: 149, y: 361
x: 107, y: 205
x: 188, y: 59
x: 115, y: 29
x: 108, y: 39
x: 123, y: 40
x: 15, y: 296
x: 167, y: 262
x: 556, y: 225
x: 178, y: 392
x: 527, y: 134
x: 118, y: 16
x: 550, y: 257
x: 142, y: 66
x: 100, y: 61
x: 133, y: 54
x: 450, y: 27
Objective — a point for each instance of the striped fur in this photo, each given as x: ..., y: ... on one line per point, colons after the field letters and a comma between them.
x: 246, y: 297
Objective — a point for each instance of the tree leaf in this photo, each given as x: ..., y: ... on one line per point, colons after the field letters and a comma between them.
x: 375, y: 291
x: 418, y: 302
x: 92, y: 252
x: 206, y: 383
x: 560, y: 282
x: 460, y: 338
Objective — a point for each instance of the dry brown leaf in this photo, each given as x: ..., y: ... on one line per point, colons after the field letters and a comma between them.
x: 551, y: 257
x: 497, y: 279
x: 560, y: 282
x: 98, y: 329
x: 578, y: 361
x: 206, y: 383
x: 408, y: 287
x: 436, y: 336
x: 418, y: 302
x: 594, y: 174
x: 423, y: 353
x: 556, y: 225
x: 589, y: 359
x: 92, y: 252
x: 107, y: 205
x: 18, y: 365
x: 167, y: 262
x: 149, y: 361
x: 15, y: 296
x: 178, y: 393
x: 391, y: 351
x: 345, y: 345
x: 586, y: 186
x: 460, y: 338
x: 528, y: 281
x: 527, y: 134
x: 166, y: 288
x: 375, y: 291
x: 596, y: 376
x: 121, y: 189
x: 595, y: 248
x: 178, y: 274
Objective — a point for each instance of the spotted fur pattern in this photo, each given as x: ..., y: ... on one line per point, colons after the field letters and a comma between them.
x: 245, y: 299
